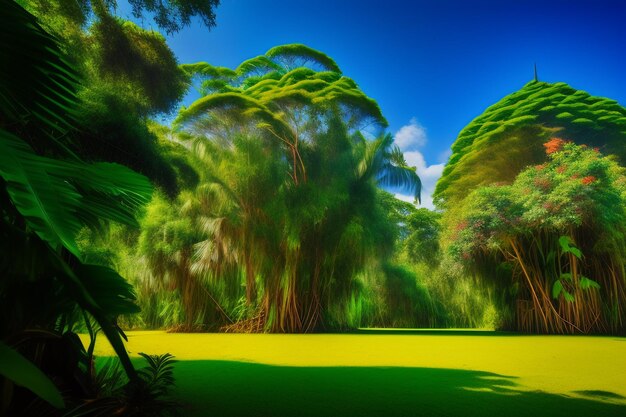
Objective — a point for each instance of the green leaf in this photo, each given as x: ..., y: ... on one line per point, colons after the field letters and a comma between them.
x: 587, y: 283
x: 568, y: 297
x: 576, y: 252
x: 24, y: 373
x: 566, y: 246
x: 557, y: 288
x: 567, y: 276
x: 565, y: 241
x: 86, y: 300
x: 57, y: 198
x: 47, y: 203
x: 109, y: 191
x: 112, y: 293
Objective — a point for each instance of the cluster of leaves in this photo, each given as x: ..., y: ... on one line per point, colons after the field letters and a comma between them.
x: 127, y: 74
x: 149, y: 395
x: 422, y: 243
x: 289, y: 75
x: 509, y: 135
x: 577, y: 187
x: 169, y: 15
x: 532, y: 224
x: 140, y: 58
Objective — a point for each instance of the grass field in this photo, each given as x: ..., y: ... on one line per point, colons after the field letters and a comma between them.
x: 399, y: 373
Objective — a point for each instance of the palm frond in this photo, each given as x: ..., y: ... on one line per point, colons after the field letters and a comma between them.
x: 36, y: 83
x: 48, y: 203
x: 57, y: 198
x: 159, y: 374
x: 109, y: 290
x: 385, y: 162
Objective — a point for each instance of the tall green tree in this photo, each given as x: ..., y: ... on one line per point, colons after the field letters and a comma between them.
x: 297, y: 181
x: 561, y: 227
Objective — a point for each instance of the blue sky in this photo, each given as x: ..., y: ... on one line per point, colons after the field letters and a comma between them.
x: 432, y: 65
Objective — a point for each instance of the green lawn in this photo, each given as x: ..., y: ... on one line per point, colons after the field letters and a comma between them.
x: 380, y: 373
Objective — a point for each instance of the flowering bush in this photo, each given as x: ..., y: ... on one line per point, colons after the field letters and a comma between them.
x: 576, y: 186
x: 554, y: 145
x: 578, y: 196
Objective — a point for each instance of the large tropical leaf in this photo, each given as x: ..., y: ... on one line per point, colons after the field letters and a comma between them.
x: 24, y: 373
x: 112, y: 293
x: 57, y: 198
x: 78, y: 287
x: 48, y: 203
x: 110, y: 191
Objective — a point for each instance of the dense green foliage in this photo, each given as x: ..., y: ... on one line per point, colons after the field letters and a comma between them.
x: 562, y: 227
x: 268, y: 213
x: 169, y: 15
x: 495, y: 148
x: 127, y: 75
x: 261, y: 210
x: 49, y: 193
x: 509, y: 135
x: 288, y: 207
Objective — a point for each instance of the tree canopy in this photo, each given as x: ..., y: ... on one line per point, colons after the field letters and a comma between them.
x: 508, y: 136
x: 170, y: 15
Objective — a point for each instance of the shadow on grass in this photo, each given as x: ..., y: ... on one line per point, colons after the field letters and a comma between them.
x: 226, y: 388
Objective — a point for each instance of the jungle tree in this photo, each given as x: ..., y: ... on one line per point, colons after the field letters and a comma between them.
x: 561, y: 226
x: 314, y: 199
x: 508, y: 137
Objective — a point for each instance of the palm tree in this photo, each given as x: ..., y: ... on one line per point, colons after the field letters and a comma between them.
x: 171, y: 232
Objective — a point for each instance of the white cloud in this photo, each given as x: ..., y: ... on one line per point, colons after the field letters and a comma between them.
x: 410, y: 138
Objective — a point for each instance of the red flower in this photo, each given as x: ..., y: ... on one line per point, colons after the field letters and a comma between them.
x: 560, y: 169
x: 461, y: 226
x: 588, y: 179
x: 553, y: 145
x: 543, y: 183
